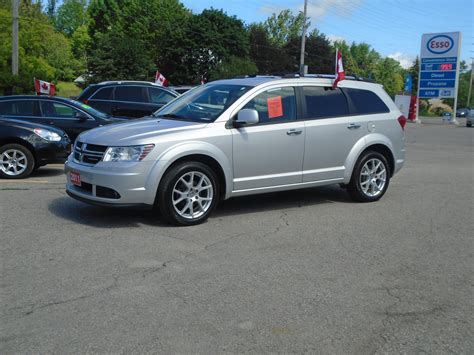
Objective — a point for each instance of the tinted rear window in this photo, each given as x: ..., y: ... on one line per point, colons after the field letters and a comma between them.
x: 18, y: 108
x: 324, y: 102
x: 366, y: 102
x: 130, y: 93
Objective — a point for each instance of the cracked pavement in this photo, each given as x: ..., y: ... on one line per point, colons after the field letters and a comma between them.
x: 292, y: 272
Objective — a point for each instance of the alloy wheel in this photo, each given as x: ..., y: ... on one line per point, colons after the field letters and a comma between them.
x: 13, y: 162
x: 192, y: 195
x: 373, y: 177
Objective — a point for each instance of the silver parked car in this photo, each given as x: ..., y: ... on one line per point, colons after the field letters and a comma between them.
x: 240, y: 137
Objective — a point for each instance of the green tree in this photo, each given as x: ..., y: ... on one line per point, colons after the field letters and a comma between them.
x: 284, y: 26
x: 232, y: 67
x: 388, y: 72
x: 43, y: 53
x: 71, y: 15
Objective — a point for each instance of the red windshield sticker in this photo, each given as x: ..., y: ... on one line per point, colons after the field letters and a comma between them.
x: 275, y: 107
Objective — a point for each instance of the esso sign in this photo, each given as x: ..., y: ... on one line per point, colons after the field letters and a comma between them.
x: 440, y: 44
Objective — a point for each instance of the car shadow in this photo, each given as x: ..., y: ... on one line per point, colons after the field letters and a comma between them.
x: 102, y: 217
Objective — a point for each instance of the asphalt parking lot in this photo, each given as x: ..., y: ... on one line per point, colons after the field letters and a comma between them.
x: 293, y: 272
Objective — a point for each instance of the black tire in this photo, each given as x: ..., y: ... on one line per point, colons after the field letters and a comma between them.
x: 165, y: 194
x: 355, y: 188
x: 27, y: 160
x: 468, y: 124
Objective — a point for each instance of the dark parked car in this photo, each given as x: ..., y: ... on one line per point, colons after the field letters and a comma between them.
x: 71, y: 116
x: 462, y: 112
x: 26, y: 146
x: 129, y: 99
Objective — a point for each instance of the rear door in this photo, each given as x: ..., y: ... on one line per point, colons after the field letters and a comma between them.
x: 335, y: 120
x: 23, y: 109
x: 269, y: 153
x: 331, y: 132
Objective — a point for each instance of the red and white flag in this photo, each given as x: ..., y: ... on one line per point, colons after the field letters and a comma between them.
x: 44, y: 88
x: 160, y: 79
x: 340, y: 74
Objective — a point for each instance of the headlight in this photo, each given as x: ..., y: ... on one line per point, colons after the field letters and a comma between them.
x: 134, y: 153
x: 47, y: 135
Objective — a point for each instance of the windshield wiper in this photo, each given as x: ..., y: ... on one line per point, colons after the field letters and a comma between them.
x: 172, y: 116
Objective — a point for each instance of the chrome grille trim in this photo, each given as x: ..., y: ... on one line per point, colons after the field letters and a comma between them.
x: 88, y: 154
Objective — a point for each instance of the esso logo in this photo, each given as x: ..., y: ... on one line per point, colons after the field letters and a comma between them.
x: 440, y: 44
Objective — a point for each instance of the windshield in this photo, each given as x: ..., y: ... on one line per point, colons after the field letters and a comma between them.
x: 204, y: 103
x: 89, y: 110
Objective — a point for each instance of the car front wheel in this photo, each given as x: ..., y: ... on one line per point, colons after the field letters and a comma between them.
x: 16, y: 161
x: 188, y: 193
x: 370, y: 178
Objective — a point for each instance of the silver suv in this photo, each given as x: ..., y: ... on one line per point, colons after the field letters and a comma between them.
x: 240, y: 137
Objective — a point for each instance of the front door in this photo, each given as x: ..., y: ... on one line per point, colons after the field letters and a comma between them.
x: 269, y: 153
x: 65, y: 117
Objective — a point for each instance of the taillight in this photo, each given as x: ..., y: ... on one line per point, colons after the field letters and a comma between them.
x: 403, y: 121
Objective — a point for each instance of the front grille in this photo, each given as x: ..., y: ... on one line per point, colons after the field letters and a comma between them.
x: 88, y: 153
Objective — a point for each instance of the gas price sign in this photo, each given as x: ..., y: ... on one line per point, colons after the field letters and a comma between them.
x: 439, y: 69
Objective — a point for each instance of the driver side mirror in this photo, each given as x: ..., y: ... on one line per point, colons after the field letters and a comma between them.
x: 246, y: 117
x: 81, y: 116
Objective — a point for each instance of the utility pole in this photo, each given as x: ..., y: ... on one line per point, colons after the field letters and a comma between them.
x: 470, y: 85
x: 303, y: 39
x: 16, y: 5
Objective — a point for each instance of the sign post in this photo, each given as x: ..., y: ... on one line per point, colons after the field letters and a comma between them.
x: 439, y: 67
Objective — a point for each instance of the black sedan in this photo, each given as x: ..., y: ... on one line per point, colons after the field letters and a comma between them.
x: 71, y: 116
x: 26, y: 146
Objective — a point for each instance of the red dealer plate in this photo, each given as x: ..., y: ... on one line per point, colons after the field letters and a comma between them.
x: 75, y: 178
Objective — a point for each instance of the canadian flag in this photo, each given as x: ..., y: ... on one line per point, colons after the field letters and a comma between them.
x: 160, y: 79
x: 43, y: 87
x: 340, y: 74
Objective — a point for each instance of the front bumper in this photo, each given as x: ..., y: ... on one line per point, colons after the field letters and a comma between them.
x: 112, y: 184
x: 52, y: 152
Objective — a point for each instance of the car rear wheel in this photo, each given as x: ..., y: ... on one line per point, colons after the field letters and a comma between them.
x: 16, y: 161
x: 468, y: 124
x: 188, y: 193
x: 370, y: 178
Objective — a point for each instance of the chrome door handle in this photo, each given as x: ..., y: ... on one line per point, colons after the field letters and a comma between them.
x: 294, y: 132
x: 353, y: 125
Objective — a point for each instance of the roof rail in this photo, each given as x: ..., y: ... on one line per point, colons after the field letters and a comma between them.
x: 254, y: 76
x: 348, y: 77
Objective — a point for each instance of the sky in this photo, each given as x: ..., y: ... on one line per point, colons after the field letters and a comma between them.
x: 391, y: 27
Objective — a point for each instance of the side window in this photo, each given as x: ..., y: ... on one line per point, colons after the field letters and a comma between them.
x: 158, y: 96
x: 18, y: 108
x: 54, y: 109
x: 366, y: 102
x: 7, y: 108
x: 130, y: 93
x: 325, y: 102
x: 103, y: 94
x: 275, y: 105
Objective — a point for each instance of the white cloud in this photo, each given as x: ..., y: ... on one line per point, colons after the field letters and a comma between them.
x: 405, y: 60
x: 334, y: 38
x: 319, y: 8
